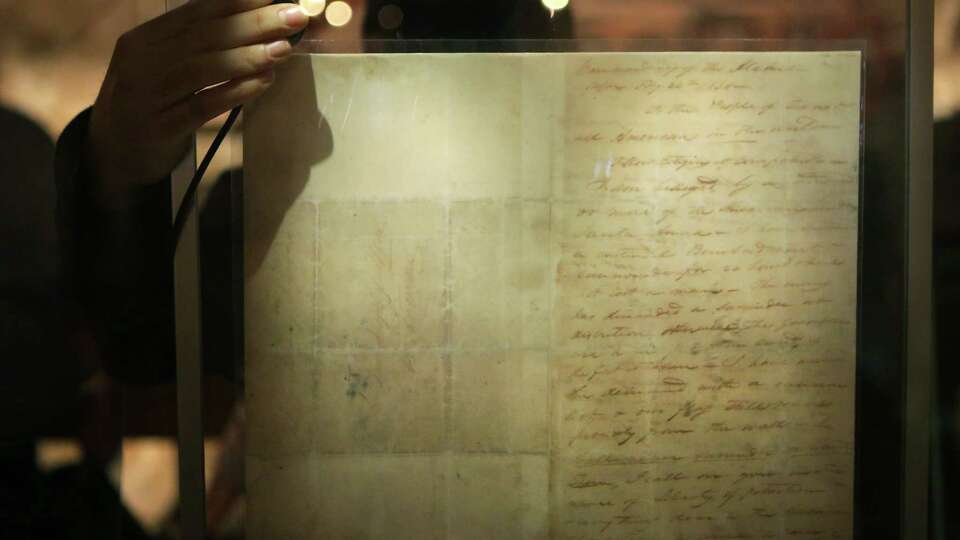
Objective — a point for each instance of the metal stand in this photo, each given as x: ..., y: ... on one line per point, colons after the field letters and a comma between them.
x: 189, y: 357
x: 919, y: 344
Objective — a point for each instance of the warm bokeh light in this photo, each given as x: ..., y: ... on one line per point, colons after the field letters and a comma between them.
x: 313, y: 7
x: 148, y: 480
x: 555, y: 5
x: 339, y: 13
x: 52, y: 454
x: 390, y: 17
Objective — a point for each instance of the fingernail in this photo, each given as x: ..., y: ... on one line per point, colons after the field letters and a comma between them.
x: 279, y: 49
x: 294, y: 16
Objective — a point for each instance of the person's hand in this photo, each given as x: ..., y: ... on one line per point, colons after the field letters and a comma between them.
x: 170, y: 76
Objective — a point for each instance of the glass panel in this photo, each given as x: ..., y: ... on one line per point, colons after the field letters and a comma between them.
x: 879, y: 28
x: 89, y: 433
x: 553, y: 295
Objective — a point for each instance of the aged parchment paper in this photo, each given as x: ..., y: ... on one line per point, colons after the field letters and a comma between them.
x: 581, y: 296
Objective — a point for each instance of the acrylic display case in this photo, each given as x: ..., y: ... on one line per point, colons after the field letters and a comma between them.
x: 569, y: 287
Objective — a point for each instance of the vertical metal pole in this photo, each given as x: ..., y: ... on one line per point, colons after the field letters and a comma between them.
x: 189, y: 360
x: 189, y: 365
x: 919, y: 353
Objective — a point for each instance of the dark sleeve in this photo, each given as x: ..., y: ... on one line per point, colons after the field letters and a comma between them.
x: 117, y: 266
x: 40, y: 375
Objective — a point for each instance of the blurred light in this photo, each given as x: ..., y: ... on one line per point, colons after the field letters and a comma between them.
x: 555, y: 5
x: 339, y: 13
x: 313, y: 7
x: 390, y: 17
x: 55, y: 453
x: 148, y: 479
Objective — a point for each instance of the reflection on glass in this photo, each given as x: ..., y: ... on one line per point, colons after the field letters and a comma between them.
x: 339, y: 13
x: 555, y: 5
x: 390, y: 17
x: 313, y: 7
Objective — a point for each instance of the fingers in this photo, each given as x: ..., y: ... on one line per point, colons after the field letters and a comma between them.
x: 257, y: 26
x: 201, y: 44
x: 191, y: 113
x: 215, y: 67
x: 220, y: 8
x: 197, y: 14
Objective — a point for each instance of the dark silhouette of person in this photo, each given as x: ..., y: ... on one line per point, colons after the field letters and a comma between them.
x: 41, y: 344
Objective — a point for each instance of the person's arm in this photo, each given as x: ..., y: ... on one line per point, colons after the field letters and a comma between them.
x: 117, y: 264
x: 166, y: 79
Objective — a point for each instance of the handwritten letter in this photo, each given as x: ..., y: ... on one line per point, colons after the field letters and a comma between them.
x: 582, y: 296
